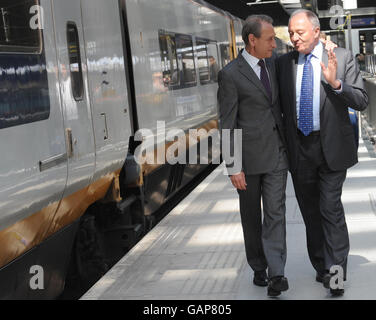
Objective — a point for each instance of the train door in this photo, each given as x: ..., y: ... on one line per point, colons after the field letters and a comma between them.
x: 107, y: 83
x: 74, y: 94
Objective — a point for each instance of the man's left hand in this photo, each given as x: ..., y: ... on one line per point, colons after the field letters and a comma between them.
x: 330, y: 72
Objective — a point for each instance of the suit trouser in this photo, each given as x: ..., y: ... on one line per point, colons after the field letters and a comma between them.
x: 265, y: 242
x: 318, y: 190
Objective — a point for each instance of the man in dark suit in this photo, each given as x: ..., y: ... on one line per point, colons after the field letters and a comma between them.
x: 316, y: 90
x: 248, y: 100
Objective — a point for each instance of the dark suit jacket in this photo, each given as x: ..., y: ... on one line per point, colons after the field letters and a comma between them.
x: 244, y: 104
x: 336, y: 132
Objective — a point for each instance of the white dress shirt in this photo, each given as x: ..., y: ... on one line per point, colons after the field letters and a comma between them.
x: 315, y: 61
x: 253, y: 62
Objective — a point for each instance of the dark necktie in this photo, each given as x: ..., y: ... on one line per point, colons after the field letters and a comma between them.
x: 265, y: 79
x: 306, y: 98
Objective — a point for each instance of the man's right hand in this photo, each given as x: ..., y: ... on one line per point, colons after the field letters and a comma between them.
x: 238, y: 181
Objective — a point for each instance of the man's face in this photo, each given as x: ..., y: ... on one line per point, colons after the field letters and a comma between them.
x: 303, y: 35
x: 263, y: 46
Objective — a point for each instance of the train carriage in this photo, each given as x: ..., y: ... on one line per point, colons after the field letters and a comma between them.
x: 79, y: 80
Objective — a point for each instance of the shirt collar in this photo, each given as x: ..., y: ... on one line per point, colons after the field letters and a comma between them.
x: 316, y: 52
x: 252, y: 61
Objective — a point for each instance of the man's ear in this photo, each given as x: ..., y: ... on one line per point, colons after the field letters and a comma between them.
x: 251, y: 39
x: 317, y: 32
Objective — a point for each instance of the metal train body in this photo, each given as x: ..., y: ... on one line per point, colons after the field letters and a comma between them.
x: 78, y: 79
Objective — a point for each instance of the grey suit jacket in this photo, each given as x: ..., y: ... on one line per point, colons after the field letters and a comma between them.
x: 244, y: 104
x: 336, y: 132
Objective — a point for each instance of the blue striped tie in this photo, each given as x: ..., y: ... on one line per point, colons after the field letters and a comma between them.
x: 306, y: 98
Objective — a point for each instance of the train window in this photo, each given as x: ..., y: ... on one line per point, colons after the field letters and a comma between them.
x: 207, y: 56
x: 20, y: 26
x: 171, y: 76
x: 178, y: 62
x: 75, y: 61
x: 225, y: 53
x: 203, y: 61
x: 213, y: 61
x: 24, y: 94
x: 186, y: 62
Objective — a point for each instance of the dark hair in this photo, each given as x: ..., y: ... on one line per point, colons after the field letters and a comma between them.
x: 253, y: 25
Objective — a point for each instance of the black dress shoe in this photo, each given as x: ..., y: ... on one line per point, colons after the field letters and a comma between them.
x: 260, y: 278
x: 273, y: 293
x: 337, y: 292
x: 320, y: 277
x: 326, y: 280
x: 276, y: 285
x: 326, y: 283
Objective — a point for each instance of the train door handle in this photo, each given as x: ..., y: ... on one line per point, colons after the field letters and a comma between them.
x: 105, y: 131
x: 52, y: 162
x: 69, y: 142
x: 59, y: 159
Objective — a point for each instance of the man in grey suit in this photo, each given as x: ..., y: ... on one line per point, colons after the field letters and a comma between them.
x: 316, y: 90
x: 248, y: 100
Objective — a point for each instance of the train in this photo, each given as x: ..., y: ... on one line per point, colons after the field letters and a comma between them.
x: 79, y: 79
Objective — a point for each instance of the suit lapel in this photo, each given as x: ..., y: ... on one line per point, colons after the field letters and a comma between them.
x: 271, y: 68
x: 247, y: 71
x: 323, y: 81
x: 292, y: 91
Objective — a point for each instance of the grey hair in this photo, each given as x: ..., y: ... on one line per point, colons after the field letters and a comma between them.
x: 309, y: 14
x: 253, y: 25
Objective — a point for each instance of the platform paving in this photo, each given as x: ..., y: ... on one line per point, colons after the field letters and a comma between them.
x: 197, y: 251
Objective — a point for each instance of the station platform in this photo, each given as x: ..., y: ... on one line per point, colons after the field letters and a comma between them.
x: 197, y: 250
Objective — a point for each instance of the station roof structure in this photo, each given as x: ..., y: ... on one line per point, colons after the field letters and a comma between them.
x: 280, y: 10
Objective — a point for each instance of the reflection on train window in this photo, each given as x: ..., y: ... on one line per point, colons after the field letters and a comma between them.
x: 169, y: 59
x: 207, y: 56
x: 20, y: 29
x: 362, y: 43
x: 203, y: 62
x: 75, y: 61
x: 239, y: 44
x: 225, y: 53
x: 186, y: 62
x: 178, y: 62
x: 213, y: 61
x: 24, y: 94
